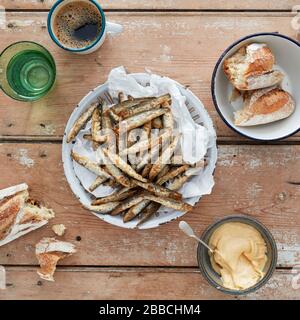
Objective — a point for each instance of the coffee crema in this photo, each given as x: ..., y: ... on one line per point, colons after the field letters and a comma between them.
x: 77, y: 25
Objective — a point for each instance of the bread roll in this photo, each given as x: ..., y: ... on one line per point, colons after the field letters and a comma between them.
x: 264, y: 106
x: 251, y: 68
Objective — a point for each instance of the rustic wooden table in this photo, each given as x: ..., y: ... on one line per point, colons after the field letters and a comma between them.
x: 181, y: 39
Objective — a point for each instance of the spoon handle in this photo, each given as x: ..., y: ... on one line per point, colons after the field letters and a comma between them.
x: 186, y: 228
x: 203, y: 243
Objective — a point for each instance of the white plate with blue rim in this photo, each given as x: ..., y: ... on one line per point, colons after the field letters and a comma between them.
x: 287, y: 54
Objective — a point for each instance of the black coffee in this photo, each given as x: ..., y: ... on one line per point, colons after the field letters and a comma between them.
x: 77, y: 24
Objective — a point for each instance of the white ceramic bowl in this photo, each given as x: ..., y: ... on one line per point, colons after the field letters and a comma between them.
x: 287, y: 55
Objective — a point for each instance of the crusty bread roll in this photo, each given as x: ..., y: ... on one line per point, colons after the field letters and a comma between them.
x: 48, y: 252
x: 19, y: 215
x: 251, y: 68
x: 264, y: 106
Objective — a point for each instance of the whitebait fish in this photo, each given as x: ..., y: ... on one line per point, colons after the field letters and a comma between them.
x: 146, y: 144
x: 81, y: 121
x: 120, y: 107
x: 173, y: 174
x: 177, y: 183
x: 98, y: 181
x: 170, y: 203
x: 144, y: 106
x: 114, y: 117
x: 88, y: 164
x: 146, y: 170
x: 158, y: 190
x: 139, y: 108
x: 118, y: 175
x: 153, y: 207
x: 147, y: 157
x: 117, y: 196
x: 127, y: 204
x: 139, y: 119
x: 163, y: 172
x: 168, y: 120
x: 135, y: 210
x: 140, y: 207
x: 164, y: 159
x: 121, y: 97
x: 121, y: 164
x: 104, y: 208
x: 113, y: 170
x: 137, y: 147
x: 106, y: 133
x: 96, y: 126
x: 148, y: 212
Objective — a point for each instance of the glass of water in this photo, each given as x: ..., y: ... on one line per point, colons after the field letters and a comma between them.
x: 27, y: 71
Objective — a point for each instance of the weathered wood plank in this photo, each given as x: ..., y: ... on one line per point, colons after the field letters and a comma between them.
x: 162, y: 4
x: 182, y: 46
x: 253, y: 180
x: 135, y: 283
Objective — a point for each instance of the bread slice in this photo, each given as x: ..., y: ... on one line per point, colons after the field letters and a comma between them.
x: 48, y: 252
x: 251, y: 68
x: 264, y: 106
x: 19, y: 215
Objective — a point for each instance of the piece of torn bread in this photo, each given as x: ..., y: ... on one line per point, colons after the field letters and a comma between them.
x: 48, y: 252
x: 251, y: 68
x: 264, y: 106
x: 59, y: 229
x: 20, y: 215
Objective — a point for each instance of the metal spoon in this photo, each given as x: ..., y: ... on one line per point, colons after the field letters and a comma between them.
x: 186, y: 228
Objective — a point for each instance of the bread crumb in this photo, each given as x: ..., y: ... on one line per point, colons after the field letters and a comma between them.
x: 59, y: 229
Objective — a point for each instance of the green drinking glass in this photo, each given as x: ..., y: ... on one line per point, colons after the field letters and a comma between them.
x: 27, y: 71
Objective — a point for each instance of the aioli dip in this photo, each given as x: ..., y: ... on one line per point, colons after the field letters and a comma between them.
x: 240, y: 255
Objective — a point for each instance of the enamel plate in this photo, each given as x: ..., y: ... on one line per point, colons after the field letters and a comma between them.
x: 199, y: 115
x: 286, y: 52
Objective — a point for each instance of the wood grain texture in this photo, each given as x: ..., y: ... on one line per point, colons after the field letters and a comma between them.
x: 183, y: 46
x: 260, y: 181
x: 252, y: 180
x: 163, y: 4
x: 137, y: 283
